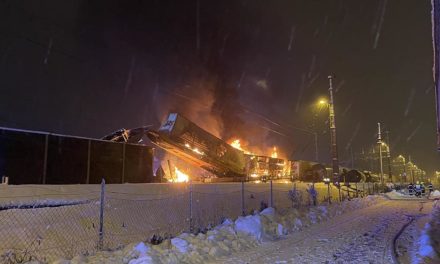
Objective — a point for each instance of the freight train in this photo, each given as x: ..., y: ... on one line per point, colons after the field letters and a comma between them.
x: 193, y: 144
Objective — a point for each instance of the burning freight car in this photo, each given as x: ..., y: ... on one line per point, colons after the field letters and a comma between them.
x: 191, y: 143
x: 257, y: 167
x: 264, y: 167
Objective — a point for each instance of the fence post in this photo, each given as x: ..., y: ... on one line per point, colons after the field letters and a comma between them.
x: 190, y: 207
x: 46, y: 149
x: 123, y: 163
x: 339, y: 191
x: 89, y: 145
x: 243, y: 213
x: 5, y: 180
x: 101, y: 216
x: 271, y: 194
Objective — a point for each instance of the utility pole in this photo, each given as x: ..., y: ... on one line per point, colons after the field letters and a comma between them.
x: 390, y: 171
x: 379, y: 141
x: 334, y: 147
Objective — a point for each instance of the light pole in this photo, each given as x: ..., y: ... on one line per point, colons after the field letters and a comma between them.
x: 334, y: 147
x: 379, y: 141
x: 327, y: 181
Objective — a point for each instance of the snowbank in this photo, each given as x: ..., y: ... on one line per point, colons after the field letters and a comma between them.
x: 424, y: 246
x: 249, y: 225
x: 395, y: 193
x: 435, y: 194
x: 400, y: 195
x: 226, y: 238
x: 434, y: 228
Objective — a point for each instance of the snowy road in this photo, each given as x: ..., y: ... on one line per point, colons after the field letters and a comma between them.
x: 361, y: 236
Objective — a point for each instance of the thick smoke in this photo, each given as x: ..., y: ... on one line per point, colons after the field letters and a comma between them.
x: 194, y: 101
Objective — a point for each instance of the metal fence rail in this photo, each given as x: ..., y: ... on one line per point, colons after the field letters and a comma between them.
x: 52, y: 229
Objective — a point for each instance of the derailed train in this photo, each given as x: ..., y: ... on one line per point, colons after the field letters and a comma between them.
x: 188, y: 141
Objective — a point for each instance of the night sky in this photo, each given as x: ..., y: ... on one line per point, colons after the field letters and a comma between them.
x: 251, y: 69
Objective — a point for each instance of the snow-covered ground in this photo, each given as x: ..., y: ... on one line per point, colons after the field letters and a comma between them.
x: 423, y: 246
x: 231, y: 238
x: 52, y: 221
x: 133, y: 213
x: 433, y: 229
x: 361, y: 236
x: 357, y: 231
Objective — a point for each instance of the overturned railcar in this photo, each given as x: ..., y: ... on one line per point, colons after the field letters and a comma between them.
x: 257, y: 166
x: 308, y: 171
x: 191, y: 143
x: 260, y: 167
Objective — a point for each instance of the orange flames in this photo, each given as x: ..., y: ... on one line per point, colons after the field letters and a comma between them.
x: 236, y: 143
x: 274, y: 153
x: 196, y: 150
x: 180, y: 176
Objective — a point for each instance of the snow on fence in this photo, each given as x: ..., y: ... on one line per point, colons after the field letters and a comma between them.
x: 47, y: 229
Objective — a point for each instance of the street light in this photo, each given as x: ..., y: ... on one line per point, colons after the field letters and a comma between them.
x: 322, y: 102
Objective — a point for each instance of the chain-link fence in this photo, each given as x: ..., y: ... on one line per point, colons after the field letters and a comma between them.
x: 44, y: 231
x: 109, y: 219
